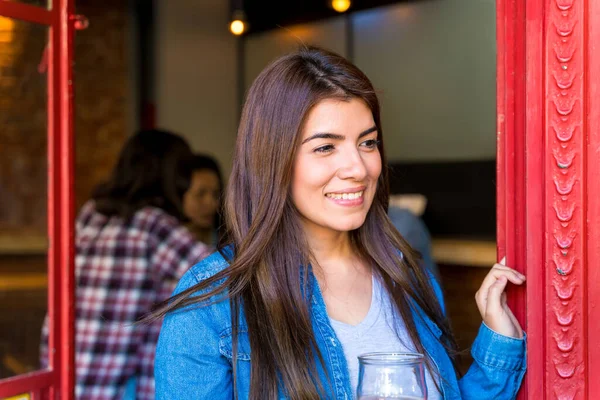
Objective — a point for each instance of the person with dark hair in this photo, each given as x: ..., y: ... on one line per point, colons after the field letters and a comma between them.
x: 202, y: 201
x: 131, y: 248
x: 315, y: 272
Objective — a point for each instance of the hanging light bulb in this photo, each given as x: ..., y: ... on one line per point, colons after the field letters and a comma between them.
x: 237, y: 27
x: 340, y: 5
x: 238, y: 24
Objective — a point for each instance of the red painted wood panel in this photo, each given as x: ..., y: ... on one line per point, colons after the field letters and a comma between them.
x: 533, y: 177
x: 549, y: 185
x: 511, y: 119
x: 565, y: 185
x: 592, y: 179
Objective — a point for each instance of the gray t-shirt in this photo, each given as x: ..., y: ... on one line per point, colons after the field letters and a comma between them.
x: 375, y: 333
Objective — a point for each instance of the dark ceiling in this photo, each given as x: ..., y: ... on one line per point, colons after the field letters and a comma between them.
x: 268, y: 14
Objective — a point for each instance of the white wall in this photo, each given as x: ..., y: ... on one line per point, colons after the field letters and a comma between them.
x: 434, y: 62
x: 196, y: 79
x: 262, y: 48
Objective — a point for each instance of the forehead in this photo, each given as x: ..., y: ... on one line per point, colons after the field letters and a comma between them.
x: 338, y: 116
x: 205, y: 176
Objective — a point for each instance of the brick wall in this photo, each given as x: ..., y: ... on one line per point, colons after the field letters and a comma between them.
x: 102, y: 100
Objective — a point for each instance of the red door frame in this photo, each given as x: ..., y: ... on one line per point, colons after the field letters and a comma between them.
x: 59, y: 378
x: 549, y: 187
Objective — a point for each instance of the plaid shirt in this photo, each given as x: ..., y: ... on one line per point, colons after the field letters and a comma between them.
x: 122, y: 270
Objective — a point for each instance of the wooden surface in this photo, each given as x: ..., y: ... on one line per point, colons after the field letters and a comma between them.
x: 23, y: 244
x: 470, y: 253
x: 459, y: 286
x: 23, y: 304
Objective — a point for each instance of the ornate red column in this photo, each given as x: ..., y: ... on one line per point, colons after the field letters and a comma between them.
x: 549, y: 187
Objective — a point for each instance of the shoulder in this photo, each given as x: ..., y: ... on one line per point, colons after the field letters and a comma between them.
x: 155, y: 219
x: 87, y: 213
x: 206, y: 268
x: 161, y: 225
x: 208, y: 317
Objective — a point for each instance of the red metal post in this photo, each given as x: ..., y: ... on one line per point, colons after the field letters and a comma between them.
x: 25, y: 383
x: 63, y: 62
x: 61, y: 375
x: 25, y: 12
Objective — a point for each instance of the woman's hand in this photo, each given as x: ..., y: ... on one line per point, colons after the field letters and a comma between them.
x: 491, y: 300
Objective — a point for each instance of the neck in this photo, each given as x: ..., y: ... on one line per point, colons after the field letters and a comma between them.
x: 203, y: 235
x: 333, y: 254
x: 332, y: 247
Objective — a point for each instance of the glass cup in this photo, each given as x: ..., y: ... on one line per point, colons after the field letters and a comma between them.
x: 391, y: 376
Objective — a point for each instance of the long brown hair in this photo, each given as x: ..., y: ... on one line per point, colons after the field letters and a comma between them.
x: 264, y: 276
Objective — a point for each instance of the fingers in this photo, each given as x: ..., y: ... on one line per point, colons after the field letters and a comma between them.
x: 491, y: 300
x: 499, y: 270
x: 494, y: 298
x: 514, y: 321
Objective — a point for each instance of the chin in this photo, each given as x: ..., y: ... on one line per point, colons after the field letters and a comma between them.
x: 347, y: 226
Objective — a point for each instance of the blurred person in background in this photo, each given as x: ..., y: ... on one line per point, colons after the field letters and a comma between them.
x: 131, y: 248
x: 415, y: 232
x: 202, y: 201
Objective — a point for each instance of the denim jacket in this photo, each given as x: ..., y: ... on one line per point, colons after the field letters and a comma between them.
x: 194, y: 353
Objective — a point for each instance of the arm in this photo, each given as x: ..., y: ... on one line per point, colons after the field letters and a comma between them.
x: 145, y: 385
x: 499, y: 363
x: 188, y: 362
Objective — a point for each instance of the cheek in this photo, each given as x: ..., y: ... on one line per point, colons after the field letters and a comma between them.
x: 187, y: 203
x: 373, y: 166
x: 309, y: 179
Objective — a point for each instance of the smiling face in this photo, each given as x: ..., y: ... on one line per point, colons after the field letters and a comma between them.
x: 337, y: 167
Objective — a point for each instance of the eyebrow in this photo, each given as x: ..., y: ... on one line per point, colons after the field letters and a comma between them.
x: 335, y: 136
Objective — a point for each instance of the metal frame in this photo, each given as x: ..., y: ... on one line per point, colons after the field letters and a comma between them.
x: 59, y: 379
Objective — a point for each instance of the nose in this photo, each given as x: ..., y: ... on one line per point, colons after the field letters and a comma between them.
x: 352, y: 166
x: 211, y: 201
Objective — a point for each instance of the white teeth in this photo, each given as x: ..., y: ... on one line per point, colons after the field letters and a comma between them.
x: 345, y: 196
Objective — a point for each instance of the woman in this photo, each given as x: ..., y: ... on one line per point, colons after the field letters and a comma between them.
x: 281, y: 311
x: 202, y: 201
x: 131, y: 248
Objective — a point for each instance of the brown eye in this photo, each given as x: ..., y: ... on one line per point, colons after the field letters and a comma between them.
x: 328, y: 148
x: 370, y: 144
